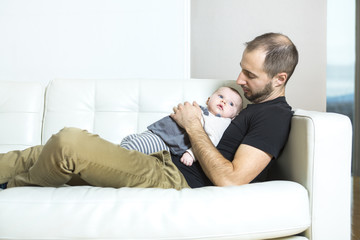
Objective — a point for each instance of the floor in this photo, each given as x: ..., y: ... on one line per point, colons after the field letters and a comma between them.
x: 355, y: 226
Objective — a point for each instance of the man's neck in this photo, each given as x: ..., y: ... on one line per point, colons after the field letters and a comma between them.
x: 274, y: 95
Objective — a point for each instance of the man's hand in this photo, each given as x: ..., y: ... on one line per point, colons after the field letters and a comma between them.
x: 187, y: 115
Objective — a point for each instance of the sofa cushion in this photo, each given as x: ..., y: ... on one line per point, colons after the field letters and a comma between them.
x: 253, y: 211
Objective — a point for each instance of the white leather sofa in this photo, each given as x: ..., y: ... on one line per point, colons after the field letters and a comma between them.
x: 309, y: 198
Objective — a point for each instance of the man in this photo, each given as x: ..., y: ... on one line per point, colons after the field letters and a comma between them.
x: 254, y: 137
x: 260, y: 131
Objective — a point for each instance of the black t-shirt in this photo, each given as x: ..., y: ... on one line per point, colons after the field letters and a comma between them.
x: 265, y: 126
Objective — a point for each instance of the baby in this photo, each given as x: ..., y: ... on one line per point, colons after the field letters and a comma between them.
x: 222, y: 106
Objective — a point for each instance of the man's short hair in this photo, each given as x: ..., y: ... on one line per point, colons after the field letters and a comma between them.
x: 281, y: 53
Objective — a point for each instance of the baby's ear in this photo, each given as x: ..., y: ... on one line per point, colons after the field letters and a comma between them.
x: 207, y: 101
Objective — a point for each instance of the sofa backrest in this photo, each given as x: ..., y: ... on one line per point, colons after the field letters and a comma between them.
x: 116, y: 108
x: 21, y: 112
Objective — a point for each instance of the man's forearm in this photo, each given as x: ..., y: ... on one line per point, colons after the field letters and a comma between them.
x: 218, y: 169
x: 215, y: 166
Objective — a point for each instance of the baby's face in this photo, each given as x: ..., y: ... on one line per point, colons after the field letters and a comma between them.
x: 224, y: 102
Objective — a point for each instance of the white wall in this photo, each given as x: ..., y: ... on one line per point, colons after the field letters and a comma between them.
x: 45, y: 39
x: 219, y: 29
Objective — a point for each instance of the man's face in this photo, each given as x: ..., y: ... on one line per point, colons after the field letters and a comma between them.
x: 256, y: 84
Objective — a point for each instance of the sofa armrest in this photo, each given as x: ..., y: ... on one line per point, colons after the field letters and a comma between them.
x: 318, y: 156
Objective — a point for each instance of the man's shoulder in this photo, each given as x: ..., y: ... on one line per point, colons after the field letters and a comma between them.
x: 278, y: 105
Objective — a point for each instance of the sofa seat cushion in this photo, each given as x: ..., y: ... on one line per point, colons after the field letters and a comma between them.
x: 254, y: 211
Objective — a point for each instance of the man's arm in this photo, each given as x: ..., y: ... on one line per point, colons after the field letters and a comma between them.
x: 248, y: 161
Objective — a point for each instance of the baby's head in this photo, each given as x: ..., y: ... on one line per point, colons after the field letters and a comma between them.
x: 225, y: 102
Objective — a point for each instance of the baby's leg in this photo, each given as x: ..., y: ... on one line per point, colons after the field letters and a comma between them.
x: 146, y: 142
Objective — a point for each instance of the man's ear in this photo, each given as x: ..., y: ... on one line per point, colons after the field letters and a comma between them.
x: 280, y: 79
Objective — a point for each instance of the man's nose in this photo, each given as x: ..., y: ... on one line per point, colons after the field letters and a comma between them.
x: 241, y: 80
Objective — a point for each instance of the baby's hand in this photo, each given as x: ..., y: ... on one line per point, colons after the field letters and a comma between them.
x: 187, y: 159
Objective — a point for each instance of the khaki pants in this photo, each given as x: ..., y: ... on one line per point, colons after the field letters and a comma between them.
x: 74, y: 152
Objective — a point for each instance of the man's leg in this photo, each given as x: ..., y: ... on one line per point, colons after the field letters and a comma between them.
x: 16, y: 162
x: 99, y: 163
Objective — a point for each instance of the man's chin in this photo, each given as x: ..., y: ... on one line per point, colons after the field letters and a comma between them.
x: 248, y: 97
x: 253, y: 98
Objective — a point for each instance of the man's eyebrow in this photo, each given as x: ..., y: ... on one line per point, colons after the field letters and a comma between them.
x: 244, y: 69
x: 247, y: 71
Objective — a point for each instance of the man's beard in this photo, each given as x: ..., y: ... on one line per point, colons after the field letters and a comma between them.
x: 260, y: 96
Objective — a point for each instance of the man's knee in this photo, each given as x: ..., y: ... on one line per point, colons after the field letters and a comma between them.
x: 68, y: 137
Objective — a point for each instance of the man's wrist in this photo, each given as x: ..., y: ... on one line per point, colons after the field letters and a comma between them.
x: 193, y: 126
